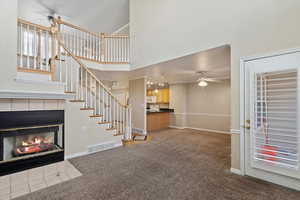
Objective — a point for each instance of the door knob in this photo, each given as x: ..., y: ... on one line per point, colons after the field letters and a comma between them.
x: 247, y: 124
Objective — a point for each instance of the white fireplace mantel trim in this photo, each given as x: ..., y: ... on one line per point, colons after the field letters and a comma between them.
x: 13, y: 94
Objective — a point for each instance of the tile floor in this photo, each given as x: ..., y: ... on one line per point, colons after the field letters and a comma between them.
x: 19, y: 184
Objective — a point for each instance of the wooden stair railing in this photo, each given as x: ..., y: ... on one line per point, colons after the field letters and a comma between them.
x: 35, y: 49
x: 89, y: 89
x: 37, y: 46
x: 96, y: 47
x: 50, y: 50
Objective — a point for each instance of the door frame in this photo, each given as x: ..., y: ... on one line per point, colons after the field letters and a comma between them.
x: 243, y: 60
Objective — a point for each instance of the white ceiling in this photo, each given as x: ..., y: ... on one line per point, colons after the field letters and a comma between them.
x: 95, y: 15
x: 215, y: 61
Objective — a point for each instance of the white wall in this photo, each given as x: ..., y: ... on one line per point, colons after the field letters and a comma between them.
x: 8, y: 42
x: 178, y: 102
x: 121, y: 91
x: 123, y: 30
x: 137, y: 100
x: 209, y: 107
x: 201, y: 108
x: 81, y: 131
x: 164, y: 30
x: 8, y: 52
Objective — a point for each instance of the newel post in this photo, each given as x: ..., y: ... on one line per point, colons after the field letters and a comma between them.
x: 128, y: 134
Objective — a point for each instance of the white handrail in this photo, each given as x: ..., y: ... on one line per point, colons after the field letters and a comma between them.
x: 97, y: 97
x: 34, y: 48
x: 98, y: 47
x: 40, y: 48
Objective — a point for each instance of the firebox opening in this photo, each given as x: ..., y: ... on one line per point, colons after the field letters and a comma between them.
x: 30, y: 139
x: 29, y: 142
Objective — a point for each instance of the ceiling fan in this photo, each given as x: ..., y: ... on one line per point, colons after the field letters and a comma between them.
x: 203, y: 80
x: 47, y: 11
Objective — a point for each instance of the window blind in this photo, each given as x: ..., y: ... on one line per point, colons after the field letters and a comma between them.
x: 275, y: 134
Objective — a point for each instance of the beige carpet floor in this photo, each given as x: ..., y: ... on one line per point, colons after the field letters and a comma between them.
x: 174, y: 165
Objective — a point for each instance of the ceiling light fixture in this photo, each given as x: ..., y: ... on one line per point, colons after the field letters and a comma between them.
x: 202, y: 83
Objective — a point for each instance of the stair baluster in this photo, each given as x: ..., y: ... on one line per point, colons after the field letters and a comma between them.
x: 64, y: 43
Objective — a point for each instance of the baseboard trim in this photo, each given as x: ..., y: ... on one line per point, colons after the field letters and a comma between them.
x: 208, y: 130
x: 236, y: 171
x: 200, y: 129
x: 104, y: 146
x: 79, y: 154
x: 177, y: 127
x: 204, y: 114
x: 235, y: 131
x: 75, y: 155
x: 139, y: 130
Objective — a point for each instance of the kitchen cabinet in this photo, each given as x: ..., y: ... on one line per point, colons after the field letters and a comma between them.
x: 150, y: 93
x: 162, y: 96
x: 158, y: 121
x: 165, y: 95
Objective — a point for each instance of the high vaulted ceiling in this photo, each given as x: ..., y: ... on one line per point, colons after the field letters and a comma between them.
x: 215, y: 62
x: 95, y: 15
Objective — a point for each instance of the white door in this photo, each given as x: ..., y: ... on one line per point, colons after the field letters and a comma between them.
x: 272, y: 113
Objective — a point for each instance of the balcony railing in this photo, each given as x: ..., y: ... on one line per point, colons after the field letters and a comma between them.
x: 38, y: 46
x: 58, y: 50
x: 35, y: 48
x: 97, y: 47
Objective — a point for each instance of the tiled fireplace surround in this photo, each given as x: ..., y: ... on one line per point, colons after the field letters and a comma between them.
x: 34, y: 105
x: 31, y: 104
x: 36, y: 178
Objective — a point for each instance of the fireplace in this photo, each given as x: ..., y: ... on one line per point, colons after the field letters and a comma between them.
x: 29, y: 139
x: 32, y: 144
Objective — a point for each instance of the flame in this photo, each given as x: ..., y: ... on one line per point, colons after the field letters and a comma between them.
x: 37, y: 140
x: 34, y: 141
x: 34, y: 145
x: 24, y: 143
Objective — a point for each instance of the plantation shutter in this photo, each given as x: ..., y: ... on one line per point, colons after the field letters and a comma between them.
x: 275, y: 137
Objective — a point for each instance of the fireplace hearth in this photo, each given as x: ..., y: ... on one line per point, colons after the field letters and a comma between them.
x: 30, y: 139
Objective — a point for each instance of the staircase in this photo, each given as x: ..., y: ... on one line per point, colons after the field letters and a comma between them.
x: 57, y: 53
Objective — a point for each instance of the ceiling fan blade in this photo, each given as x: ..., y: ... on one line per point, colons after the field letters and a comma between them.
x: 212, y: 80
x: 224, y: 69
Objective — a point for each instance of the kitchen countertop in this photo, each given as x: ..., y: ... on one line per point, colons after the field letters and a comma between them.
x: 160, y: 111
